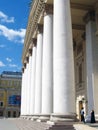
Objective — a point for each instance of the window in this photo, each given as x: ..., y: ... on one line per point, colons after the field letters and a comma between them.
x: 9, y: 114
x: 14, y: 114
x: 1, y: 104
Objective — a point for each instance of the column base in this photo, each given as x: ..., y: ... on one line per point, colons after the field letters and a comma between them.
x: 35, y: 117
x: 96, y: 117
x: 23, y: 116
x: 70, y: 117
x: 43, y: 118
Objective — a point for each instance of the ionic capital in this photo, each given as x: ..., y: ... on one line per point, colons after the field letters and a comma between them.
x: 24, y: 65
x: 22, y: 69
x: 30, y: 52
x: 34, y: 40
x: 27, y: 59
x: 96, y: 8
x: 48, y: 9
x: 90, y: 16
x: 39, y: 28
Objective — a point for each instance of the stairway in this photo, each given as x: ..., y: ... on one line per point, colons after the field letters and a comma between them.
x: 23, y: 124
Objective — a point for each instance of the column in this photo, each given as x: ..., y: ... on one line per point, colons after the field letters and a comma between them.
x: 38, y: 82
x: 91, y: 62
x: 27, y: 78
x: 32, y: 91
x: 96, y: 17
x: 25, y: 103
x: 47, y: 71
x: 22, y: 93
x: 29, y: 81
x: 64, y: 88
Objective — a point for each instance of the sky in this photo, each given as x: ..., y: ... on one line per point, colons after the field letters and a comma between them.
x: 13, y: 22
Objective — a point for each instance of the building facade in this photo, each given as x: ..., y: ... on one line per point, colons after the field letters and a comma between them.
x: 60, y: 60
x: 10, y: 93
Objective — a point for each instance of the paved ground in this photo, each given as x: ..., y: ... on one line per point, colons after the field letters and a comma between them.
x: 7, y: 125
x: 22, y: 124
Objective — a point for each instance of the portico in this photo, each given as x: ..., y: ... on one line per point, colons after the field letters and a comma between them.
x: 60, y: 76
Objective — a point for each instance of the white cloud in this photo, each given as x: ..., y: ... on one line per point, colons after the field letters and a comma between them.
x: 2, y: 46
x: 8, y: 59
x: 12, y: 35
x: 5, y: 18
x: 2, y: 64
x: 13, y: 65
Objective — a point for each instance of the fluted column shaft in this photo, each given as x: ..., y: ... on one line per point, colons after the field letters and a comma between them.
x: 27, y: 90
x: 22, y: 95
x: 64, y: 89
x: 29, y: 83
x: 38, y: 82
x: 47, y: 71
x: 32, y: 91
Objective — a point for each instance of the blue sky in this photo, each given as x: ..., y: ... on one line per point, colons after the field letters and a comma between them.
x: 13, y: 23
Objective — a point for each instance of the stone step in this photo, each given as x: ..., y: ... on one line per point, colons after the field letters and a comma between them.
x: 60, y: 127
x: 24, y: 124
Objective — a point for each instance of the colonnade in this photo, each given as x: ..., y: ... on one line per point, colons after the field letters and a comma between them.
x: 48, y: 87
x: 48, y: 77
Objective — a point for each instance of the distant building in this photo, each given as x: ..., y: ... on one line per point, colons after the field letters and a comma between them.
x: 10, y: 93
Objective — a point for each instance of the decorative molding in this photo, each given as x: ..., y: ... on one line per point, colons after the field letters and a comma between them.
x: 36, y: 9
x: 48, y: 9
x: 90, y: 16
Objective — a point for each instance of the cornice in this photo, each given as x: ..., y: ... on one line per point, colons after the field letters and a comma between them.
x: 36, y: 10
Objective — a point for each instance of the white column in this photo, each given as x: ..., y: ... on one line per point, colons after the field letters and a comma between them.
x: 30, y: 68
x: 29, y: 84
x: 27, y: 79
x: 64, y: 88
x: 38, y: 83
x: 22, y: 94
x: 32, y: 92
x: 92, y: 64
x: 25, y: 89
x: 27, y: 97
x: 47, y: 71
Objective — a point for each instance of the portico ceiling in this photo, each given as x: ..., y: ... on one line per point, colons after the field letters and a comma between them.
x: 85, y: 2
x: 79, y: 8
